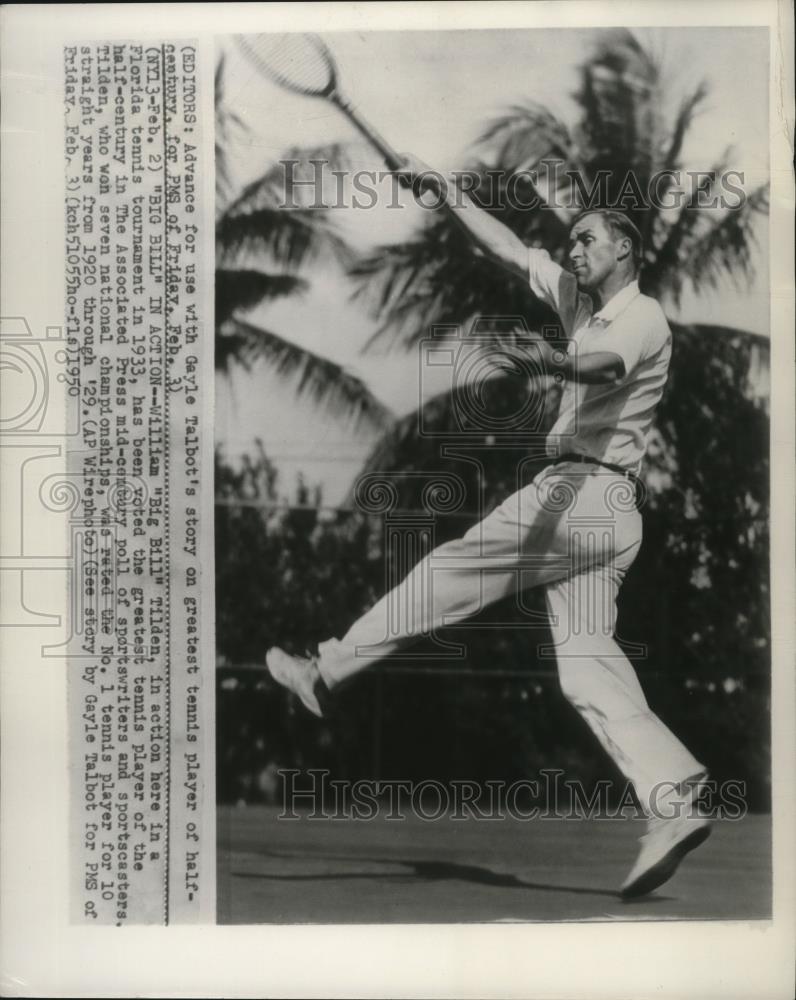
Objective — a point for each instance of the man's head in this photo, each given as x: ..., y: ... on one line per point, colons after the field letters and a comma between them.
x: 602, y: 243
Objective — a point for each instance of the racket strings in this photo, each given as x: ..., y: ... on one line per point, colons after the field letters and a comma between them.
x: 299, y: 62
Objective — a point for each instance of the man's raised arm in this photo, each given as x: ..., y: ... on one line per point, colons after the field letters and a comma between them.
x: 556, y: 287
x: 492, y: 238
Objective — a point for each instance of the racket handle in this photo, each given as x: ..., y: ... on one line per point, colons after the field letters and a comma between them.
x: 391, y: 158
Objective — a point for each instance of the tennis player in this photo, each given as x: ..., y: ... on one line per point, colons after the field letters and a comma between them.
x: 615, y: 369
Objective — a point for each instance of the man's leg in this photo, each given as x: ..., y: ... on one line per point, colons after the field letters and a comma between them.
x: 599, y: 681
x: 527, y: 541
x: 522, y: 543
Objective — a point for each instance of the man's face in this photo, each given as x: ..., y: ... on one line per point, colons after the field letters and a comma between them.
x: 594, y: 251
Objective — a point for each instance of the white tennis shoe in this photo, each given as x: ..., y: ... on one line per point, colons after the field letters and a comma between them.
x: 298, y: 674
x: 667, y: 841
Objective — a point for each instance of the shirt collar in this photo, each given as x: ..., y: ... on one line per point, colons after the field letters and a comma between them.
x: 620, y: 301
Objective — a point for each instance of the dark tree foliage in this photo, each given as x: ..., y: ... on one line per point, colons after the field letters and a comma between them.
x: 697, y: 598
x: 619, y: 151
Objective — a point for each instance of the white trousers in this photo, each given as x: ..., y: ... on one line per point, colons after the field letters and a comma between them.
x: 574, y: 530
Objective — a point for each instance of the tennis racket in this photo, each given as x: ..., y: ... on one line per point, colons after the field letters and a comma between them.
x: 303, y: 63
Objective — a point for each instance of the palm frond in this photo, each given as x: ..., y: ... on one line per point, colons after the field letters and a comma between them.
x: 244, y: 289
x: 722, y: 248
x: 683, y: 121
x: 531, y: 149
x: 524, y: 135
x: 435, y: 279
x: 267, y: 219
x: 620, y: 128
x: 288, y: 238
x: 669, y: 164
x: 665, y: 248
x: 321, y: 380
x: 299, y: 176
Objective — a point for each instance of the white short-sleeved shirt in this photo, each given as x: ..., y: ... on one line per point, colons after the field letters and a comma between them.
x: 606, y: 422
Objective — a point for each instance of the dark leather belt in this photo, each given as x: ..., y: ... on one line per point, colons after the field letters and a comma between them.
x: 587, y: 459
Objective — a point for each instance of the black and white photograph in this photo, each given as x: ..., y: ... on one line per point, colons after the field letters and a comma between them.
x: 397, y: 478
x: 492, y: 480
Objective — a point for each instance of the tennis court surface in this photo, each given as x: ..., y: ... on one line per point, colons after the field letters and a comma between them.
x: 273, y: 870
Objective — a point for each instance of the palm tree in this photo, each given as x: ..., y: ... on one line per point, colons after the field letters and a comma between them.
x: 434, y: 278
x: 261, y: 249
x: 711, y: 429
